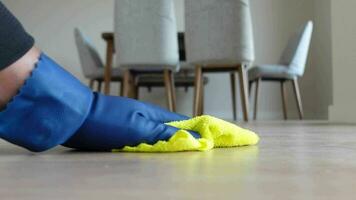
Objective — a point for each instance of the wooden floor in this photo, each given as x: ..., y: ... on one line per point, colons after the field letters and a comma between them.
x: 294, y: 160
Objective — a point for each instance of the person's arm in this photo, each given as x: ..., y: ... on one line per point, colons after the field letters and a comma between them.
x: 17, y: 55
x: 14, y: 76
x: 15, y: 42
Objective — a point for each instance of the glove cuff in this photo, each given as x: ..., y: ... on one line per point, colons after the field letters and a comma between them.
x: 49, y: 108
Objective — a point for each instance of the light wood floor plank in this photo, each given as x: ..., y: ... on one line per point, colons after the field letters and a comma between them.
x: 294, y: 160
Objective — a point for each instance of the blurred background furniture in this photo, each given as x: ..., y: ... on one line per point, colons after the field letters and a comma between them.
x: 93, y: 67
x: 290, y: 67
x: 91, y: 63
x: 146, y: 42
x: 184, y: 78
x: 219, y: 39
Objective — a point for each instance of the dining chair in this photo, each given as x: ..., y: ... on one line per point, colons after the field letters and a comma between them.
x: 183, y: 78
x: 290, y: 67
x: 91, y: 63
x: 92, y: 67
x: 219, y: 39
x: 146, y: 42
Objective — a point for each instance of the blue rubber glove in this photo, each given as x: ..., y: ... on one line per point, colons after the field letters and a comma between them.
x: 48, y: 109
x: 114, y: 122
x: 54, y: 108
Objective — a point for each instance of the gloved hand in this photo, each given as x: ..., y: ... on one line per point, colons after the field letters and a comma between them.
x: 214, y: 132
x: 115, y: 122
x: 54, y: 108
x: 48, y: 109
x: 220, y: 132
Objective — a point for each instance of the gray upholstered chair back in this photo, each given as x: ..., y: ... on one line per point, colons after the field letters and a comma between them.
x: 219, y: 31
x: 296, y: 52
x: 146, y: 34
x: 88, y: 55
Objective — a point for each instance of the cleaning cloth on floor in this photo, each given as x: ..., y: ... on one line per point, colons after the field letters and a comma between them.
x: 214, y: 132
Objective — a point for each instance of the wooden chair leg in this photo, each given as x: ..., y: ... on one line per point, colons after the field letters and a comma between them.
x: 258, y: 81
x: 284, y: 99
x: 125, y: 83
x: 243, y: 90
x: 168, y: 82
x: 128, y: 84
x: 233, y: 94
x: 298, y: 98
x: 91, y: 83
x: 197, y: 90
x: 108, y: 66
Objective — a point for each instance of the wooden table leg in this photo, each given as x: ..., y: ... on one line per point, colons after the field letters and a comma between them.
x: 244, y: 91
x: 197, y: 90
x: 201, y: 107
x: 108, y: 66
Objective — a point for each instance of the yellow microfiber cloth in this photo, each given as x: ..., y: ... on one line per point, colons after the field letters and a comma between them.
x: 214, y: 133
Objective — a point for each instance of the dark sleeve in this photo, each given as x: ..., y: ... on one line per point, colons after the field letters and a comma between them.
x: 14, y: 40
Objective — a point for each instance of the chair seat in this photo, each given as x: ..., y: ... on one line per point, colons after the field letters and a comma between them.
x: 270, y: 71
x: 117, y: 72
x: 157, y: 80
x: 150, y: 80
x: 99, y: 73
x: 158, y: 68
x: 218, y: 62
x: 186, y: 66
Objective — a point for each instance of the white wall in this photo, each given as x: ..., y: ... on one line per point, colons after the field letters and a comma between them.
x: 322, y: 57
x: 52, y: 21
x: 343, y: 60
